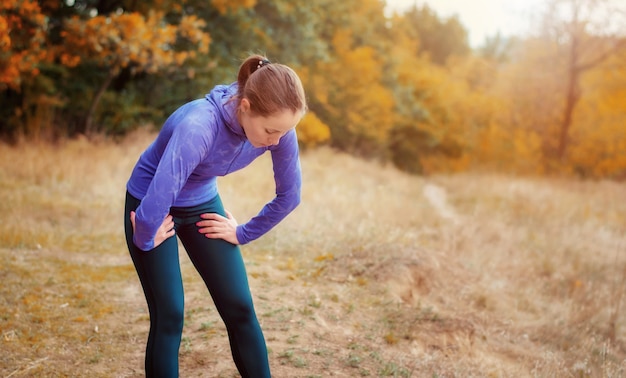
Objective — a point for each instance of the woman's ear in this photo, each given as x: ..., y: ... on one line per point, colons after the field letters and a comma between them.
x: 244, y: 105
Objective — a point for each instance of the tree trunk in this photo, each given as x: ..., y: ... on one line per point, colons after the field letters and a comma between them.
x: 571, y: 96
x: 94, y: 103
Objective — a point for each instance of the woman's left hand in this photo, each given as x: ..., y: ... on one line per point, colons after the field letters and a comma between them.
x: 215, y: 226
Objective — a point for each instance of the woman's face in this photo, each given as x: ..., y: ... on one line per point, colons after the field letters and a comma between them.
x: 266, y: 131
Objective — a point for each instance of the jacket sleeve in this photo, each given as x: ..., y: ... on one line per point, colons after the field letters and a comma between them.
x: 288, y: 179
x: 186, y: 148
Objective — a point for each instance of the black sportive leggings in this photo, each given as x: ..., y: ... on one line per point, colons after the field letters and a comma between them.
x: 221, y: 266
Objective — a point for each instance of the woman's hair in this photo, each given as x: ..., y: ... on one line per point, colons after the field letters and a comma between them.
x: 270, y: 87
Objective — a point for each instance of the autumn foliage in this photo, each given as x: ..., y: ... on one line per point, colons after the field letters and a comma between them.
x: 404, y: 87
x: 22, y: 42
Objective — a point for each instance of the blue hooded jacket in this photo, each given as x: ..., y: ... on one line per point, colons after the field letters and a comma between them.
x: 200, y: 141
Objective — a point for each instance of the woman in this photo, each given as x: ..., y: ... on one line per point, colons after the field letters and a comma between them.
x: 172, y: 191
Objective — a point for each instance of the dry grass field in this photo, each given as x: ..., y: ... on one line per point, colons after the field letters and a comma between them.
x: 376, y: 274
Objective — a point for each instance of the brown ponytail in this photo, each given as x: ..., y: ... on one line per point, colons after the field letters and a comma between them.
x: 269, y: 87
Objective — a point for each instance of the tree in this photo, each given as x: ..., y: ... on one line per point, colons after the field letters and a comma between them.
x: 22, y: 42
x: 290, y: 30
x: 312, y: 131
x: 25, y: 51
x: 439, y: 39
x: 348, y: 94
x: 438, y: 110
x: 130, y: 40
x: 587, y: 32
x: 347, y: 88
x: 598, y: 137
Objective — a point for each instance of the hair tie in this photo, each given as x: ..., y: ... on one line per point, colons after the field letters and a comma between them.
x: 263, y: 63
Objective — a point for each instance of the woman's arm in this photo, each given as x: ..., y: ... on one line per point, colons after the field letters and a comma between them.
x: 164, y: 232
x: 288, y: 179
x: 187, y: 146
x: 216, y: 226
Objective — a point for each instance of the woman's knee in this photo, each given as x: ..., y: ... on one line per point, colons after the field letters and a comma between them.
x: 170, y: 317
x: 238, y: 312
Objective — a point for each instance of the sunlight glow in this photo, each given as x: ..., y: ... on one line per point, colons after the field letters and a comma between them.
x: 481, y: 18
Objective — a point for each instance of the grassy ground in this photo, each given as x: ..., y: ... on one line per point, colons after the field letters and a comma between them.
x: 376, y: 274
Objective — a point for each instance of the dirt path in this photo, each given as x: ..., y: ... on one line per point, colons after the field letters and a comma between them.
x: 438, y: 198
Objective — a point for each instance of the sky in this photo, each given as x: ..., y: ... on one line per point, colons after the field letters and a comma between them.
x: 481, y: 18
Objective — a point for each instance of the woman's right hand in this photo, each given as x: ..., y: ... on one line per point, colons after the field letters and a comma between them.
x: 165, y: 231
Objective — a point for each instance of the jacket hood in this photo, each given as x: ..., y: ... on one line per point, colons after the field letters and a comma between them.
x: 221, y: 96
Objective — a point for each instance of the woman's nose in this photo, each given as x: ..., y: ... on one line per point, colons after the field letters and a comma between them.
x: 274, y: 141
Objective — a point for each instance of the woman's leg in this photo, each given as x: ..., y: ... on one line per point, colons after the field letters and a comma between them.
x: 222, y: 268
x: 159, y: 273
